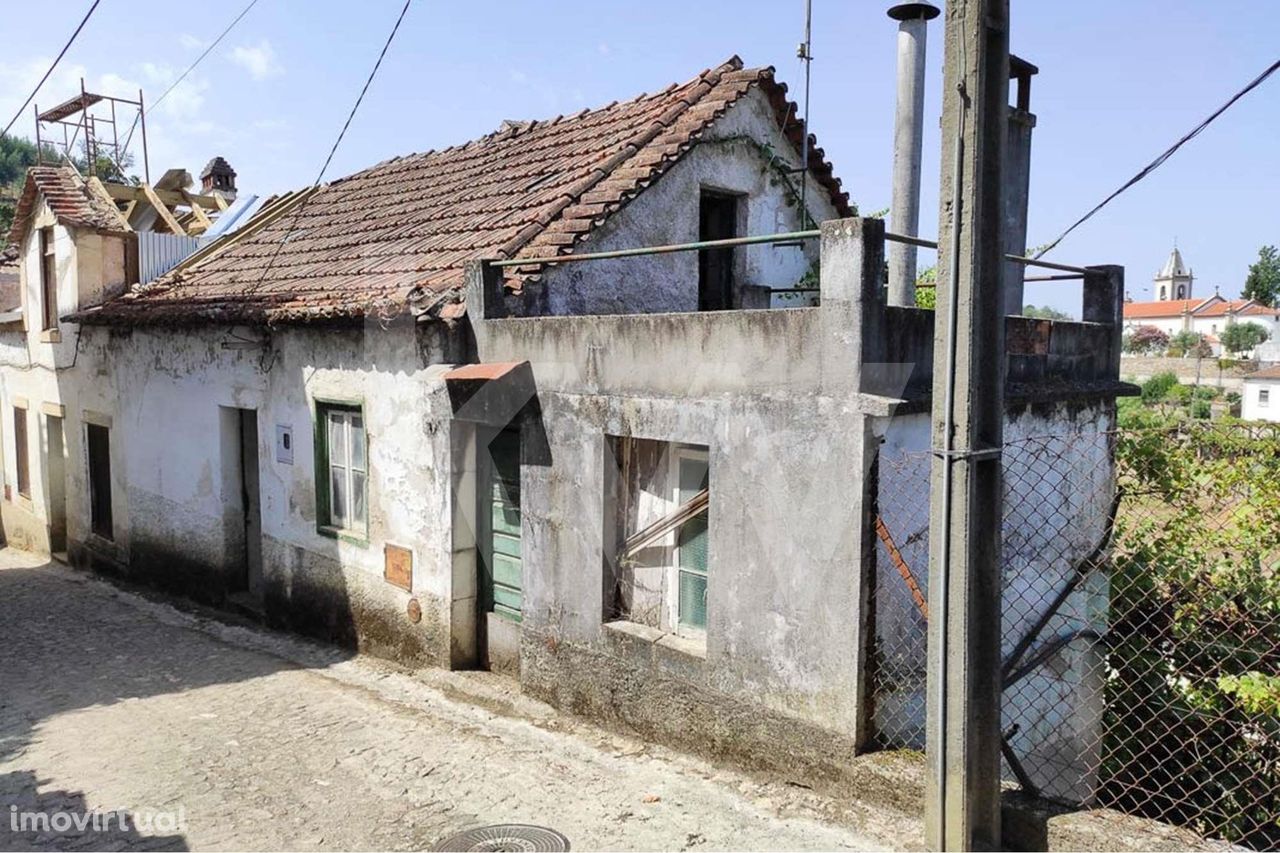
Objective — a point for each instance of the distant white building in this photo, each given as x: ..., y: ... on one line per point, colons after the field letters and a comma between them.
x: 1261, y: 398
x: 1176, y: 310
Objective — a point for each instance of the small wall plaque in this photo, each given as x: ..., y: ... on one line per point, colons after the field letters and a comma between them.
x: 398, y: 567
x: 284, y: 444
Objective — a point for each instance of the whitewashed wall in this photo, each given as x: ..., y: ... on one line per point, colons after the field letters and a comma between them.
x: 1251, y: 405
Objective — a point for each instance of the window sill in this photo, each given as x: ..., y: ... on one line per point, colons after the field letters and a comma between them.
x: 348, y: 536
x: 50, y: 336
x: 648, y: 646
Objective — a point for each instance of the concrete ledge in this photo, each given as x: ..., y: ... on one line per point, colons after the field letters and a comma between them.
x: 651, y: 648
x: 1029, y: 824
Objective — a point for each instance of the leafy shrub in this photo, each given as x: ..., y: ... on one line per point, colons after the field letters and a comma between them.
x: 1158, y: 387
x: 1145, y: 340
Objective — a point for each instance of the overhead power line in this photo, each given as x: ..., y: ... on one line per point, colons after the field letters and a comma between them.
x: 61, y: 54
x: 1156, y: 163
x: 206, y: 52
x: 191, y: 67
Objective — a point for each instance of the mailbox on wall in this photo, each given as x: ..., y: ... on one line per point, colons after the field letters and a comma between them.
x: 284, y: 444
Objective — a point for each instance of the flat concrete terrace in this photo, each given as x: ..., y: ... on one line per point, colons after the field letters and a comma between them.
x: 853, y: 341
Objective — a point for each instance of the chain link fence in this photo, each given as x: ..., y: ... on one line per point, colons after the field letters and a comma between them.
x: 1141, y: 619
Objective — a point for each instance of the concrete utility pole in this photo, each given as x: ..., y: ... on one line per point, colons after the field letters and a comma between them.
x: 908, y: 130
x: 963, y: 721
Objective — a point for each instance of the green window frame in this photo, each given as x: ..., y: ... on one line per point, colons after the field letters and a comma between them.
x: 342, y: 470
x: 691, y: 473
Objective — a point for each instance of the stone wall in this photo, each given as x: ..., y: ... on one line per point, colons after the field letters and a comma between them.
x: 1142, y: 368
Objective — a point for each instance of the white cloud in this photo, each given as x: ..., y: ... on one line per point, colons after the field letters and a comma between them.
x: 190, y: 42
x: 184, y: 101
x: 603, y: 47
x: 259, y: 60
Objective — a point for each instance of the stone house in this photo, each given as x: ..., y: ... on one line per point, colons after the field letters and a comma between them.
x: 646, y: 486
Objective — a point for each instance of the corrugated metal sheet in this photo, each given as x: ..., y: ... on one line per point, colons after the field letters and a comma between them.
x: 159, y: 253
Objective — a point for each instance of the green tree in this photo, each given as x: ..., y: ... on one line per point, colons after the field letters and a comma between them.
x: 1159, y: 387
x: 1241, y: 337
x: 1263, y: 283
x: 927, y: 288
x: 1045, y: 313
x: 16, y: 154
x: 1188, y: 343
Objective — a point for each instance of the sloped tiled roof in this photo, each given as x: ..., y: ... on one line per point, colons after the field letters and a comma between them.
x: 1234, y: 306
x: 71, y: 199
x: 400, y: 232
x: 1212, y: 306
x: 1163, y: 308
x: 1265, y: 373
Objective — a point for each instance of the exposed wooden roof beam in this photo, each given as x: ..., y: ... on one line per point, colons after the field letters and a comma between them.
x: 162, y: 209
x: 121, y: 192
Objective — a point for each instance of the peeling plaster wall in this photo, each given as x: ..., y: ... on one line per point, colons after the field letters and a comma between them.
x: 175, y: 528
x: 1058, y: 483
x: 726, y: 159
x: 33, y: 361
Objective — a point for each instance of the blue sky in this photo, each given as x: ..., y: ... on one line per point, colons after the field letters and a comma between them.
x: 1118, y: 83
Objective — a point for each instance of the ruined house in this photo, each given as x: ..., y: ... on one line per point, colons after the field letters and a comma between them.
x: 645, y: 485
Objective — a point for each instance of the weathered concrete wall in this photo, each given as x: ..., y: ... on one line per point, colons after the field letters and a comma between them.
x: 789, y: 442
x: 777, y: 677
x: 164, y: 392
x: 729, y: 158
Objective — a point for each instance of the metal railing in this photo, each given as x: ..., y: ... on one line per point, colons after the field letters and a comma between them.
x: 785, y: 237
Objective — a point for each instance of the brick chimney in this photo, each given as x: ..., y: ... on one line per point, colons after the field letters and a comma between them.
x: 218, y: 177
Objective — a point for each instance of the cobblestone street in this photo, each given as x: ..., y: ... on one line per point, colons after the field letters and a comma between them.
x: 112, y: 700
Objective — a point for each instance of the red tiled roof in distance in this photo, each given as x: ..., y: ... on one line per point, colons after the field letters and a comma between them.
x: 1266, y: 373
x: 1167, y: 308
x: 400, y: 232
x: 1234, y: 306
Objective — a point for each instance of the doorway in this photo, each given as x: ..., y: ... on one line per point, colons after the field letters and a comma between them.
x: 98, y: 448
x: 717, y: 220
x: 56, y: 469
x: 498, y: 548
x: 243, y: 503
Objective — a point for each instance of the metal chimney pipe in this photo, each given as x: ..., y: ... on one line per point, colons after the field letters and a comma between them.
x: 908, y: 132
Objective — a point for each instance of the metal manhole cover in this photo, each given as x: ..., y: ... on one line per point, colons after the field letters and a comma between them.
x: 506, y: 836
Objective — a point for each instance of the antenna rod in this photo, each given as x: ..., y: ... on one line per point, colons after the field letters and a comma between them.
x: 806, y: 56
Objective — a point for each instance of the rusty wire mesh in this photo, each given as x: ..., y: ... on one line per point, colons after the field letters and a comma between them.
x: 1141, y: 623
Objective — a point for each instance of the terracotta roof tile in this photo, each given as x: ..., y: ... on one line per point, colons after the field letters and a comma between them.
x: 1166, y: 308
x: 400, y: 232
x: 1265, y: 373
x: 72, y: 201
